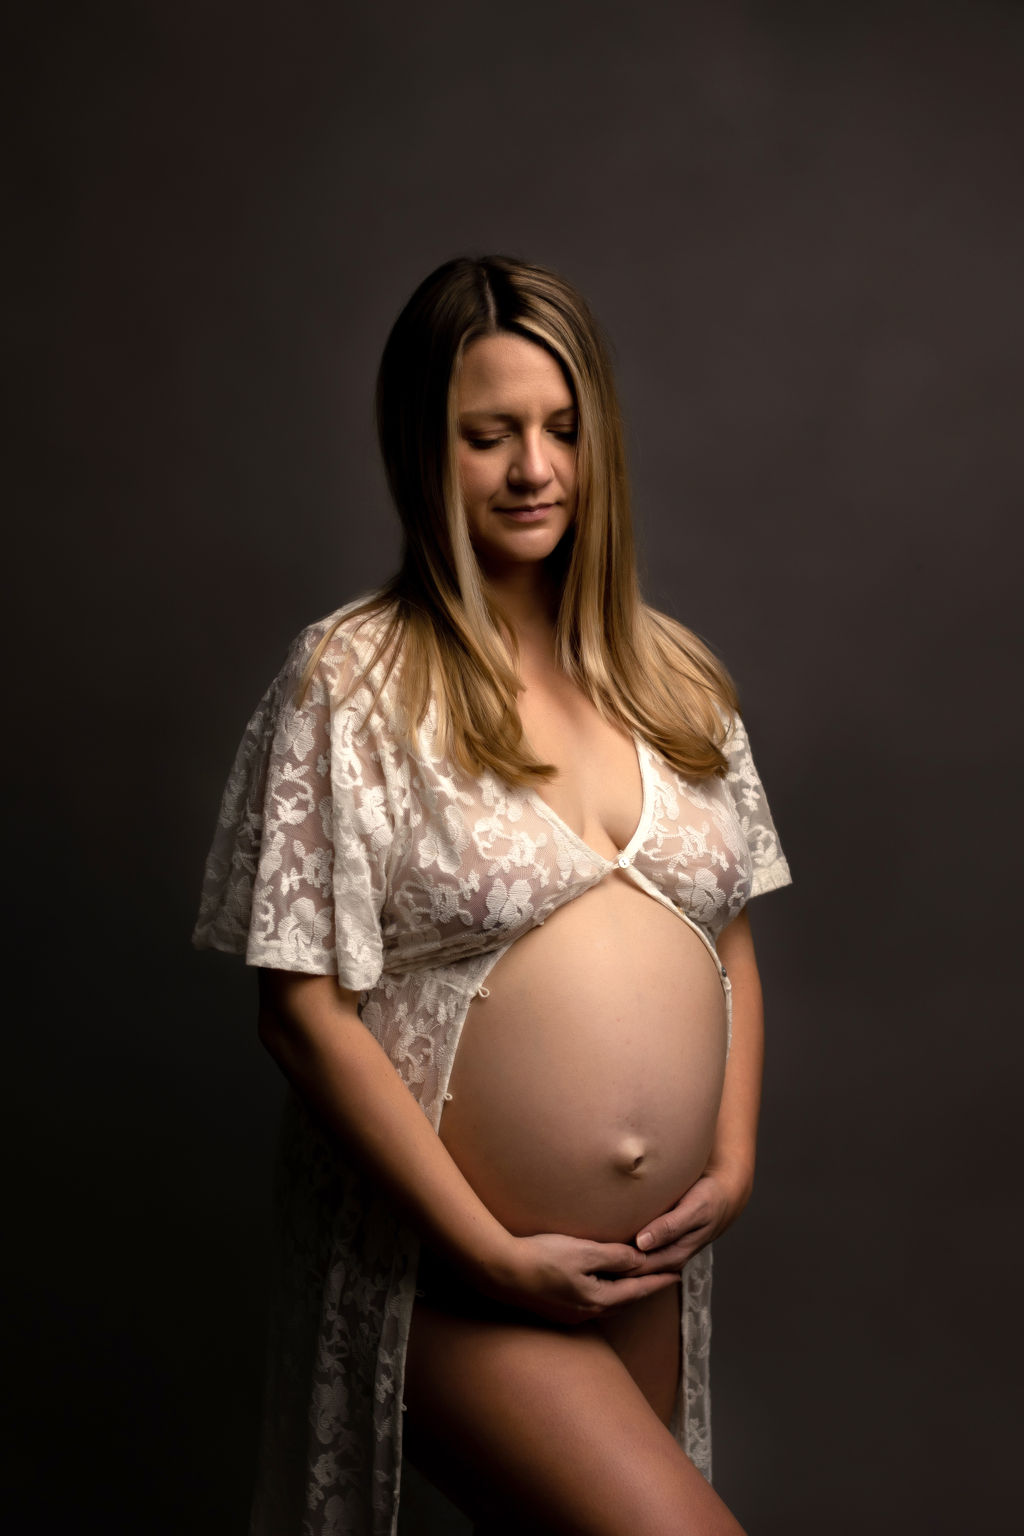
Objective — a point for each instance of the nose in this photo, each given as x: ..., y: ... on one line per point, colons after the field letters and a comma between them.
x: 530, y: 466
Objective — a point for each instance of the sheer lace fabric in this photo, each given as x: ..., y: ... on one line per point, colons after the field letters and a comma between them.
x: 342, y: 850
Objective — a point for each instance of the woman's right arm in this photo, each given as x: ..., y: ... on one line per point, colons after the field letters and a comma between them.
x: 312, y: 1028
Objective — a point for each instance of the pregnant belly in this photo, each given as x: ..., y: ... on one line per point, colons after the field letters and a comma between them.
x: 586, y: 1085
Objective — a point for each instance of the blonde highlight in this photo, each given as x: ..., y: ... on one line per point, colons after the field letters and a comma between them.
x: 641, y: 669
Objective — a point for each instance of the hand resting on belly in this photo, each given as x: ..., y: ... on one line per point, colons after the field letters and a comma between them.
x: 586, y: 1085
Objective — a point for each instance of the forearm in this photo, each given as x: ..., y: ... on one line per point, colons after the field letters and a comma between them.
x: 314, y: 1033
x: 313, y: 1030
x: 734, y: 1149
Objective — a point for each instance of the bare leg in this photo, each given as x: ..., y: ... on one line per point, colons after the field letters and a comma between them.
x: 645, y: 1336
x: 518, y: 1421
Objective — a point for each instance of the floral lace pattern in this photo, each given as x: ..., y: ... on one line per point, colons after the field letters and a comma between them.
x: 342, y: 850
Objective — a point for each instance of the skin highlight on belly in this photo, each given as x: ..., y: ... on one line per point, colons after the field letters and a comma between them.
x: 586, y: 1085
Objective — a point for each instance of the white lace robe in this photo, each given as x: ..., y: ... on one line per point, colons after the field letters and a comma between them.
x: 341, y: 851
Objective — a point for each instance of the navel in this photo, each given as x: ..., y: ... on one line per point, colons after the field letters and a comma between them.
x: 630, y: 1157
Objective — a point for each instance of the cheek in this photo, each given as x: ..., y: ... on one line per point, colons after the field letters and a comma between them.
x: 474, y: 479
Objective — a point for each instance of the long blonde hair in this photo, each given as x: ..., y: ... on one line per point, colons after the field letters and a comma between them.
x: 640, y: 668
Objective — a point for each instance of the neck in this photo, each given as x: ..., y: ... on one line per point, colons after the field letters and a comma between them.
x: 527, y: 598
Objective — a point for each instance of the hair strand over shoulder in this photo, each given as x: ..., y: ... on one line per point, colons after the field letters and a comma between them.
x: 640, y: 668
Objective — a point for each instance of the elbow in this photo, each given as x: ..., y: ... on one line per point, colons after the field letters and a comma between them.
x: 273, y: 1031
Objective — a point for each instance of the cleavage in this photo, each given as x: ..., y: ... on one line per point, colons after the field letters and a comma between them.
x: 598, y: 792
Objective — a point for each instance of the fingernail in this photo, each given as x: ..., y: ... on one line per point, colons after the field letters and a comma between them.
x: 645, y: 1241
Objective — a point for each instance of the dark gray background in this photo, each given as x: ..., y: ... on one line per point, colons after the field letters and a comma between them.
x: 800, y: 225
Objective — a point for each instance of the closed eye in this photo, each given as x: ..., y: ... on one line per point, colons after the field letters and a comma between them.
x: 492, y: 440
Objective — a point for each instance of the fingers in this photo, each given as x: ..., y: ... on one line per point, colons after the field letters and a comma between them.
x: 674, y: 1256
x: 670, y: 1228
x: 619, y: 1293
x: 693, y: 1213
x: 609, y: 1295
x: 613, y: 1258
x: 579, y: 1279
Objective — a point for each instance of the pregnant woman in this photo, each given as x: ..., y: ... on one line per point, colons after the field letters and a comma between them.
x: 489, y: 838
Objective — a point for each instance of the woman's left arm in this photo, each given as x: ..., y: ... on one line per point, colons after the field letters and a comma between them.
x: 724, y: 1188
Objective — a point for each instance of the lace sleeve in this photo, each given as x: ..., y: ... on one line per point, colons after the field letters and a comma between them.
x: 770, y: 868
x: 296, y: 876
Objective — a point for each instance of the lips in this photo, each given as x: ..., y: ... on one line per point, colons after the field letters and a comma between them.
x: 527, y: 514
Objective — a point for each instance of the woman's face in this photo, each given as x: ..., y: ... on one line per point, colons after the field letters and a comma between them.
x: 516, y: 451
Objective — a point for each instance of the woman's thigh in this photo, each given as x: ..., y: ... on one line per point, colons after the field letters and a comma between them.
x: 519, y: 1421
x: 646, y: 1338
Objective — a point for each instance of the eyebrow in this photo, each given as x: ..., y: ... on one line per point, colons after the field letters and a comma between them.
x: 563, y: 410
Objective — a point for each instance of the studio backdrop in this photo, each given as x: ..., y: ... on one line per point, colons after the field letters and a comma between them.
x: 800, y: 227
